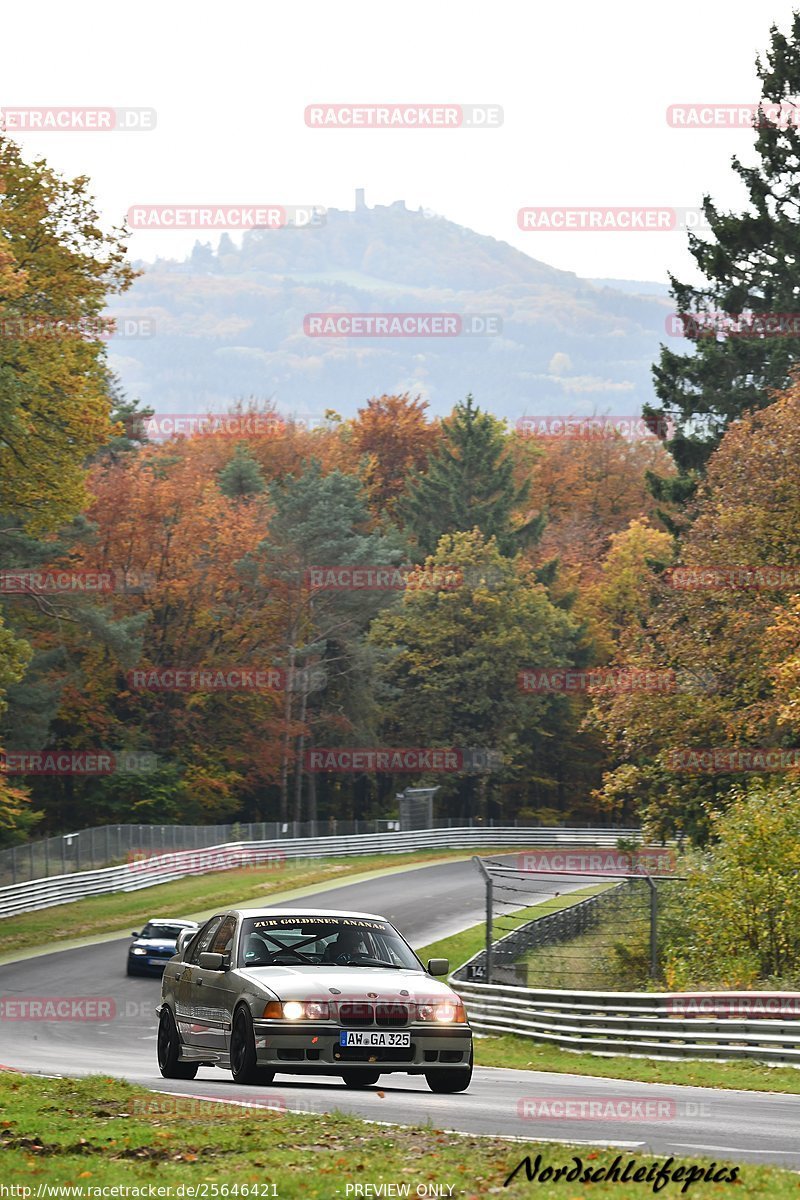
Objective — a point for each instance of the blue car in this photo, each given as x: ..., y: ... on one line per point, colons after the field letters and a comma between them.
x: 151, y: 949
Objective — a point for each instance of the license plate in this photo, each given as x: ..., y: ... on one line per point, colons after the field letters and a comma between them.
x: 376, y: 1037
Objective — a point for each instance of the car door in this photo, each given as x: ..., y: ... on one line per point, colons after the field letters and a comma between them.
x: 212, y: 991
x: 192, y: 1010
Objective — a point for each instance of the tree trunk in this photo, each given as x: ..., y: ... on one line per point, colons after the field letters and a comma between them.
x: 298, y: 771
x: 287, y: 720
x: 312, y: 801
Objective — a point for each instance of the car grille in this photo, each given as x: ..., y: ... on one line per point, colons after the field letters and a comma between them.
x: 360, y: 1014
x: 391, y: 1014
x: 373, y: 1054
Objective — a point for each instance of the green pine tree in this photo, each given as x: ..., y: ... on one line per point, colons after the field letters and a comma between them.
x: 242, y: 476
x: 469, y: 483
x: 750, y: 261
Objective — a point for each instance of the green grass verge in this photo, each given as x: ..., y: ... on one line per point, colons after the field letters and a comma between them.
x: 523, y: 1053
x: 612, y: 957
x: 124, y: 911
x: 97, y: 1132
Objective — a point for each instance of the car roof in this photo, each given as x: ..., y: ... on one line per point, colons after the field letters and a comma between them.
x: 168, y: 921
x: 305, y: 912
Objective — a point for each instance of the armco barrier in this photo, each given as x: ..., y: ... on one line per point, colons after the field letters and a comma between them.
x: 651, y: 1024
x: 163, y: 868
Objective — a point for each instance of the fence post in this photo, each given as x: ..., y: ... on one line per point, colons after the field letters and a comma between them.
x: 489, y: 905
x: 653, y: 927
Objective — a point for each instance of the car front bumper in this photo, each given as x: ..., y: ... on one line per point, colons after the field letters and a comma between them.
x: 139, y: 964
x: 316, y: 1049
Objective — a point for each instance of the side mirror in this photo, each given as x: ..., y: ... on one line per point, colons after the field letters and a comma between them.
x: 438, y: 966
x: 213, y: 962
x: 135, y: 934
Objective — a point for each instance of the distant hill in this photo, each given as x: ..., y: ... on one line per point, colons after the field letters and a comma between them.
x: 636, y: 287
x: 230, y: 324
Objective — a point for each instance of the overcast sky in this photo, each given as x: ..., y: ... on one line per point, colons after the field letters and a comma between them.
x: 584, y: 89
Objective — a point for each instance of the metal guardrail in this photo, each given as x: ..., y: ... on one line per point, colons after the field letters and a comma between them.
x: 654, y: 1024
x: 164, y: 868
x: 110, y: 845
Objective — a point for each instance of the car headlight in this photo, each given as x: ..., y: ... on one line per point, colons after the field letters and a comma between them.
x: 295, y: 1010
x: 137, y: 950
x: 449, y: 1012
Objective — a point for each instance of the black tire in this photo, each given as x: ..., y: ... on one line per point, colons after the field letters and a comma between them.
x: 169, y: 1049
x: 244, y: 1063
x: 450, y: 1079
x: 358, y: 1079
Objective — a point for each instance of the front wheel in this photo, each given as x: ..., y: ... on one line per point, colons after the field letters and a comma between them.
x: 244, y: 1061
x: 169, y: 1050
x: 450, y: 1079
x: 359, y: 1079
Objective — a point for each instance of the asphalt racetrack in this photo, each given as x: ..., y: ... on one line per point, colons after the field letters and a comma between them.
x: 426, y: 904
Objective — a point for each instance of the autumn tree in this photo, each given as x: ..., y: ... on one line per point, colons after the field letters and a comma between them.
x: 620, y: 600
x: 397, y: 438
x: 591, y: 488
x: 57, y: 268
x: 722, y: 619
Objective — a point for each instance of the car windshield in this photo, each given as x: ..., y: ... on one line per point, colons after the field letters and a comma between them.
x: 155, y: 929
x: 322, y: 941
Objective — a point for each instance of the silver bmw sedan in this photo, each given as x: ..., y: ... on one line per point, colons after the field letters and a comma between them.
x: 309, y: 992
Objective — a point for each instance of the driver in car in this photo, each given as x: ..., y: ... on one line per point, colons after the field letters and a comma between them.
x: 349, y: 944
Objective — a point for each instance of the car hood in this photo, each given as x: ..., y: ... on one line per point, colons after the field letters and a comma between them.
x: 351, y: 983
x: 154, y: 944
